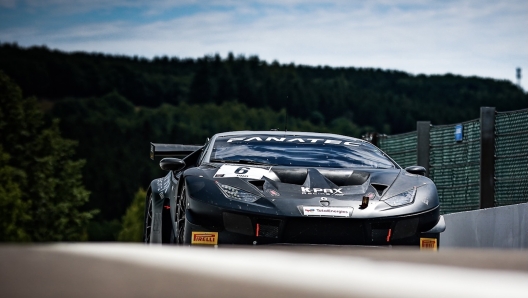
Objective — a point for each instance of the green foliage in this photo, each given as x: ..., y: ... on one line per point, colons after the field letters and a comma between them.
x: 57, y: 190
x: 103, y: 230
x: 42, y: 191
x: 133, y: 220
x: 345, y: 127
x: 13, y: 211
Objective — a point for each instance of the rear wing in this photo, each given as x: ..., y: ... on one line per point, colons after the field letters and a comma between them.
x: 173, y: 150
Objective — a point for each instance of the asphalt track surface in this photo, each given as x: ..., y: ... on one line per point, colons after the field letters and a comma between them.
x: 135, y: 270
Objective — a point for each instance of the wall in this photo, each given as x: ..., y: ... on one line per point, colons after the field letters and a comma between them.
x: 499, y: 227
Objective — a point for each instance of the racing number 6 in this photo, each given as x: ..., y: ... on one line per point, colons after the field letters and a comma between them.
x: 242, y: 170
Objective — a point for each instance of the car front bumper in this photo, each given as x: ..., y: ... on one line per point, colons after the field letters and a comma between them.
x: 236, y: 226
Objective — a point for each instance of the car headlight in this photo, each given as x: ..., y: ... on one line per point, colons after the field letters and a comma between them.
x: 404, y: 198
x: 238, y: 194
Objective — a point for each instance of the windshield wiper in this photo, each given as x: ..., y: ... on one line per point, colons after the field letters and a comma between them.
x: 242, y: 161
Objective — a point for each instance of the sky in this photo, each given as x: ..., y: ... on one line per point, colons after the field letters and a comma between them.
x: 485, y: 38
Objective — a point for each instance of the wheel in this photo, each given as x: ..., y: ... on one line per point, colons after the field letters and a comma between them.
x: 180, y: 216
x: 167, y: 236
x: 148, y: 220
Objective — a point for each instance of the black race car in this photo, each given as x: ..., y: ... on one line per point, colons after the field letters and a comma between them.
x: 259, y: 187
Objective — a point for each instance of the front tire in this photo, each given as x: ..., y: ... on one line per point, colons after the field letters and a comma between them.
x: 147, y: 228
x: 181, y: 207
x: 167, y: 235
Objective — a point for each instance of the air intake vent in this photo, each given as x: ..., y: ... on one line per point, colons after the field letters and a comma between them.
x: 405, y: 228
x: 268, y: 228
x: 345, y: 177
x: 380, y: 188
x: 291, y: 176
x: 339, y: 177
x: 258, y: 184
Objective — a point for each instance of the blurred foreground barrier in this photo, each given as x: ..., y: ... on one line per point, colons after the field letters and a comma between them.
x: 501, y: 227
x: 475, y: 164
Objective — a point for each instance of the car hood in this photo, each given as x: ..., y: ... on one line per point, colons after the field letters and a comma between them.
x: 285, y: 181
x: 285, y: 190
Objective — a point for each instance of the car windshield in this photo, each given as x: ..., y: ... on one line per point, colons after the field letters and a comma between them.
x: 302, y: 151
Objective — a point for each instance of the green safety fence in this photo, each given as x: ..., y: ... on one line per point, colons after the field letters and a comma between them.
x: 455, y: 166
x: 511, y: 157
x: 401, y: 148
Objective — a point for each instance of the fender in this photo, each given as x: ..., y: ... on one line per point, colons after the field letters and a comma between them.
x: 167, y: 188
x: 147, y: 199
x: 439, y: 227
x: 160, y: 190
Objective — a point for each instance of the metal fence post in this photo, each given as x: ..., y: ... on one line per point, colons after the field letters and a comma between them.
x: 487, y: 157
x: 422, y: 152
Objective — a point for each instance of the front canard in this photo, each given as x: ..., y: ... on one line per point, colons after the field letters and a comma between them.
x: 210, y: 238
x: 428, y: 244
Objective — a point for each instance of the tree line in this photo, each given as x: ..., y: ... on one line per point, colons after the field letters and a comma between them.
x: 388, y: 101
x: 41, y: 189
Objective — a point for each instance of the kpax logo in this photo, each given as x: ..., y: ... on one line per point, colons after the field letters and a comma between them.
x: 321, y: 191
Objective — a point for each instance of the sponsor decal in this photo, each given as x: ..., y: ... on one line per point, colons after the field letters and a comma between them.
x: 228, y: 171
x: 321, y: 191
x: 327, y: 211
x: 428, y: 244
x: 273, y: 192
x: 295, y: 140
x: 210, y: 238
x: 163, y: 184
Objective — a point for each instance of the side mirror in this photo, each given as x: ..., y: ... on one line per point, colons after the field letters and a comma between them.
x: 172, y: 164
x: 417, y: 170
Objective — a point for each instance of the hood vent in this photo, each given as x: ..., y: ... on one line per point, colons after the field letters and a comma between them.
x: 380, y: 188
x: 291, y: 176
x: 336, y: 177
x: 258, y: 184
x: 345, y: 177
